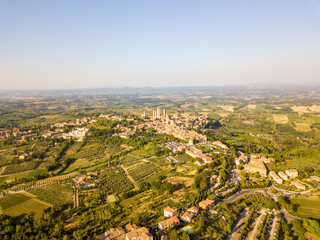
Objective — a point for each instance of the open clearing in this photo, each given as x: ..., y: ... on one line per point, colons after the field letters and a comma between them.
x: 111, y: 198
x: 181, y: 180
x: 228, y: 108
x: 222, y: 114
x: 302, y: 127
x: 307, y: 207
x: 280, y: 118
x: 306, y: 109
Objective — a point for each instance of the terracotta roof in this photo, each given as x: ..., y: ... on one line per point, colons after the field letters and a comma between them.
x: 175, y: 219
x: 170, y: 209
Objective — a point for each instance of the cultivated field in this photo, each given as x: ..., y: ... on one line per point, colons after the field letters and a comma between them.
x: 280, y: 118
x: 114, y: 180
x: 54, y: 193
x: 302, y: 127
x: 140, y: 171
x: 307, y: 207
x: 22, y: 203
x: 306, y: 109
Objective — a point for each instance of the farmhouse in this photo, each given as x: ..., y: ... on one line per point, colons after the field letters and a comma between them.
x: 194, y: 210
x: 188, y: 216
x: 168, y: 223
x: 170, y: 212
x: 113, y: 234
x: 139, y: 234
x: 206, y: 204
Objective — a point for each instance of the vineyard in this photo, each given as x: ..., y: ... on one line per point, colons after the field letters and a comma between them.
x: 183, y: 158
x: 92, y: 152
x: 114, y: 148
x: 26, y: 166
x: 114, y: 180
x: 55, y: 193
x: 158, y: 160
x: 139, y: 171
x: 135, y: 155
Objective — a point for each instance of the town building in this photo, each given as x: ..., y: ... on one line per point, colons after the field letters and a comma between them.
x: 292, y: 173
x: 283, y: 175
x: 220, y: 144
x: 194, y: 210
x: 241, y: 159
x: 276, y: 178
x: 299, y: 185
x: 206, y: 204
x: 168, y: 223
x: 170, y: 212
x: 113, y: 234
x: 188, y: 216
x: 139, y: 234
x: 256, y: 166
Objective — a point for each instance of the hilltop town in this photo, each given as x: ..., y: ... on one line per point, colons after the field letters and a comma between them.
x: 181, y: 168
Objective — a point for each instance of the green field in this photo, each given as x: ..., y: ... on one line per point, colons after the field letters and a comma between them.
x: 79, y: 163
x: 12, y: 200
x: 2, y: 179
x: 30, y: 206
x: 20, y: 203
x: 307, y: 207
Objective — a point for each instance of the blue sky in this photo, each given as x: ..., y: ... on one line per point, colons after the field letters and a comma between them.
x: 87, y: 44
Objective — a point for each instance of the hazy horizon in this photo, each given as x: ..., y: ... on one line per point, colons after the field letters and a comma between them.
x: 86, y: 45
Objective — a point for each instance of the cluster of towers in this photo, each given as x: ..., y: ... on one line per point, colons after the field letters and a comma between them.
x: 157, y: 113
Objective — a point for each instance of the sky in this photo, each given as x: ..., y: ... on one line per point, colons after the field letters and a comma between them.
x: 147, y: 43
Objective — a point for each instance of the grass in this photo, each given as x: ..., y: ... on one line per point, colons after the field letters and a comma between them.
x: 280, y: 118
x: 20, y: 203
x: 307, y: 207
x: 12, y: 200
x: 19, y: 175
x: 79, y: 163
x: 36, y: 172
x: 183, y: 158
x: 30, y: 206
x: 302, y: 127
x: 2, y: 179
